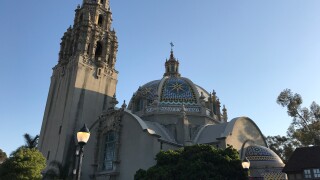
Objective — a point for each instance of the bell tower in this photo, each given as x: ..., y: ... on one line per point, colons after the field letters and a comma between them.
x: 83, y: 81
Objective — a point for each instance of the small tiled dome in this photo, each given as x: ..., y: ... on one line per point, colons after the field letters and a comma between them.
x: 264, y: 163
x: 260, y: 153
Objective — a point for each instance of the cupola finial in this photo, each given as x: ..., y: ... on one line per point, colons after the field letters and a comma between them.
x: 172, y: 65
x: 172, y: 45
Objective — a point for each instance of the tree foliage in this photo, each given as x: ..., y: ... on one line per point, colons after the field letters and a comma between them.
x: 3, y: 156
x: 305, y: 126
x: 282, y: 146
x: 30, y: 142
x: 195, y: 163
x: 304, y: 129
x: 24, y: 164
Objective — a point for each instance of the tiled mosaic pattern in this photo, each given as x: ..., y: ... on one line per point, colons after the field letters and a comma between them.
x: 255, y: 153
x: 177, y: 91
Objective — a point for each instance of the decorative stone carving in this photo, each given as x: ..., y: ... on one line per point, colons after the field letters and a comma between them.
x: 110, y: 120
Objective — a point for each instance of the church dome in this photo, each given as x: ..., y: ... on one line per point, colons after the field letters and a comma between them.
x: 173, y: 93
x: 260, y: 155
x: 172, y: 89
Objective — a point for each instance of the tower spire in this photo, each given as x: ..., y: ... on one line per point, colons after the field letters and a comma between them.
x: 86, y: 68
x: 172, y: 65
x: 91, y: 36
x: 102, y: 3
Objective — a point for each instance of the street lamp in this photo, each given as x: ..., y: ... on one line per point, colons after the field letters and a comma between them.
x: 82, y: 136
x: 246, y: 165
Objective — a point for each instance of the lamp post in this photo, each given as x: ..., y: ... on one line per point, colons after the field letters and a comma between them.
x: 82, y: 136
x: 246, y: 165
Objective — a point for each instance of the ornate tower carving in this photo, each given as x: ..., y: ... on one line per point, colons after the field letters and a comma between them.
x: 172, y: 66
x: 83, y: 82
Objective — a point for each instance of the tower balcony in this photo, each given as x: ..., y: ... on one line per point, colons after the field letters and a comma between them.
x: 99, y: 62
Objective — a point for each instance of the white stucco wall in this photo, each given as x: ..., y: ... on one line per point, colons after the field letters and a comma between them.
x: 243, y: 132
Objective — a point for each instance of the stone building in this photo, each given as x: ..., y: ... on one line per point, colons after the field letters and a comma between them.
x: 163, y: 114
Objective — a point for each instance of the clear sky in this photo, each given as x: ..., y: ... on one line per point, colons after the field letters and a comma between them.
x: 248, y: 51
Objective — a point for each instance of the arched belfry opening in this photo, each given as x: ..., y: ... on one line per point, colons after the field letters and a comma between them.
x: 100, y: 20
x: 98, y: 52
x: 81, y: 17
x: 88, y: 48
x: 101, y: 1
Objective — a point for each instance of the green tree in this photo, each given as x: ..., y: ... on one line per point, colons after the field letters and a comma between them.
x: 30, y: 142
x: 282, y: 146
x: 24, y: 164
x: 195, y: 163
x: 58, y: 171
x: 305, y: 127
x: 3, y: 156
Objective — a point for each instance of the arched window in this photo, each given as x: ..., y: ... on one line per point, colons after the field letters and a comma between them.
x: 139, y: 105
x: 98, y: 49
x: 172, y: 68
x: 88, y: 49
x: 81, y: 18
x: 109, y: 150
x: 100, y: 20
x: 101, y: 1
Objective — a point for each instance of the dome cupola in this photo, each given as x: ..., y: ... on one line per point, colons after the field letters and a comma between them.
x: 172, y: 66
x: 172, y: 92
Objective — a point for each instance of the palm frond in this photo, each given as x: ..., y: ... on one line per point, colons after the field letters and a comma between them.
x: 31, y: 142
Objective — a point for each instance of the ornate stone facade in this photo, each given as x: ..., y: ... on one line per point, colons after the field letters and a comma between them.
x: 163, y: 114
x: 83, y: 81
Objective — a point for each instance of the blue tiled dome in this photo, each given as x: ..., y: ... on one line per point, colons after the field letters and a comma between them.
x: 260, y: 153
x: 172, y: 90
x: 176, y: 90
x: 150, y: 89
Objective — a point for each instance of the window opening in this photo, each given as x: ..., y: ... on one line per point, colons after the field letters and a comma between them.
x: 139, y: 105
x: 81, y: 18
x: 307, y: 173
x: 88, y: 50
x: 109, y: 150
x: 316, y: 173
x: 48, y: 155
x: 100, y: 20
x: 98, y: 49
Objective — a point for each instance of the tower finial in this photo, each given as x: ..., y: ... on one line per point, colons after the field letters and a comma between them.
x: 172, y: 45
x: 172, y: 65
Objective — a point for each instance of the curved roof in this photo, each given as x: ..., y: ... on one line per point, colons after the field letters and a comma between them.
x: 153, y: 128
x: 172, y: 90
x: 262, y: 157
x: 210, y: 133
x: 260, y: 153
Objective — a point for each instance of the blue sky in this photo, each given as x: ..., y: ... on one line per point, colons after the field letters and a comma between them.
x: 247, y: 51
